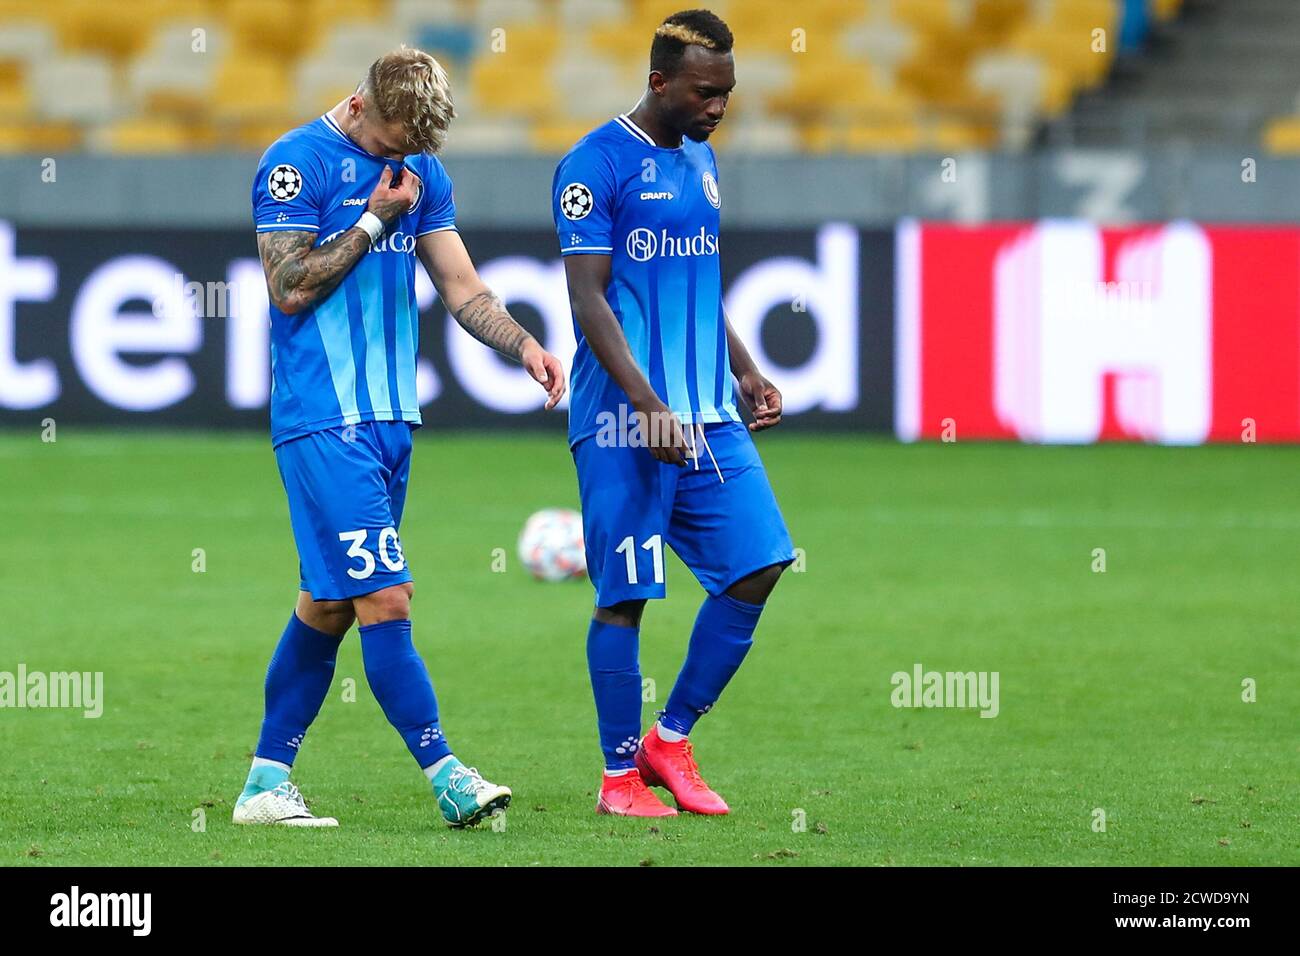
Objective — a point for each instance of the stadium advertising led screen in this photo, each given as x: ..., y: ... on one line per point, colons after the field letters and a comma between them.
x: 1056, y: 332
x: 171, y: 327
x: 1066, y: 332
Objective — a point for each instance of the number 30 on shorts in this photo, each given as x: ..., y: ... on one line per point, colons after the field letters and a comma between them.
x: 357, y: 549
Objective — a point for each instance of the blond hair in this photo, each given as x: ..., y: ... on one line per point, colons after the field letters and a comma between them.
x: 685, y: 34
x: 410, y: 86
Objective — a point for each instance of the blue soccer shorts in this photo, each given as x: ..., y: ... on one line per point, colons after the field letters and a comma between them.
x: 723, y: 521
x: 347, y: 488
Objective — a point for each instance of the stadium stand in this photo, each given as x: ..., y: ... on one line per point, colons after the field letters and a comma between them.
x: 158, y: 76
x: 1225, y: 73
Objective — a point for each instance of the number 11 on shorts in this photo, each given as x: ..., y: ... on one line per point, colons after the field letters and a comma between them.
x: 627, y: 548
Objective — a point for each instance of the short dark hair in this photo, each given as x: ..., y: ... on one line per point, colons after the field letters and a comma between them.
x: 688, y: 28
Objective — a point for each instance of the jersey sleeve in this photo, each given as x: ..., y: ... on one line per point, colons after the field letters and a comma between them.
x: 437, y: 206
x: 287, y: 190
x: 583, y: 195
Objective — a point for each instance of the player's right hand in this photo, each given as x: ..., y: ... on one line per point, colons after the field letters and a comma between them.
x: 663, y: 433
x: 389, y: 201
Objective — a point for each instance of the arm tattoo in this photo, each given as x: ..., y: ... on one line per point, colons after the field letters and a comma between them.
x: 485, y: 318
x: 298, y: 275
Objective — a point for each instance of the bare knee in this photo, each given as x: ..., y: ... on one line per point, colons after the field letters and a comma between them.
x: 388, y: 604
x: 329, y: 617
x: 755, y: 588
x: 624, y: 614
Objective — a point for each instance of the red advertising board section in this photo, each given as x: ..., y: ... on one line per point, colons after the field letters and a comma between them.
x: 1061, y: 331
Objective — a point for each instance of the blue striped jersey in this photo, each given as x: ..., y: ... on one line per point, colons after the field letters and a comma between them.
x: 655, y: 212
x: 351, y: 357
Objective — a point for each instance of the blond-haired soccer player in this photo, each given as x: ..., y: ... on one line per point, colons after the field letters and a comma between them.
x: 343, y: 206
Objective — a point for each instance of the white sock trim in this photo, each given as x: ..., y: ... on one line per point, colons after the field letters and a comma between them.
x: 431, y: 771
x: 264, y: 762
x: 669, y: 736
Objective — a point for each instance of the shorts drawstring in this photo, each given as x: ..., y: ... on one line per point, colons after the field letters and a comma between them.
x: 705, y: 438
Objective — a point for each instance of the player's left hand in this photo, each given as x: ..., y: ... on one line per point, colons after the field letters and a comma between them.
x: 545, y: 369
x: 763, y: 399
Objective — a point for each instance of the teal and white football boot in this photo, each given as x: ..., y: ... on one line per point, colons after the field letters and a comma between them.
x: 464, y: 797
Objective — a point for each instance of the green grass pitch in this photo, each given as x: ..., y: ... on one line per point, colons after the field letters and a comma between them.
x: 1119, y: 690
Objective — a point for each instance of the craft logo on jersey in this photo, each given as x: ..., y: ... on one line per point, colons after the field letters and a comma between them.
x: 711, y: 191
x: 575, y: 201
x: 643, y: 245
x: 284, y: 183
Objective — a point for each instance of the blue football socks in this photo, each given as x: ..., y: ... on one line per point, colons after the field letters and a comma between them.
x: 723, y: 635
x: 297, y: 681
x: 616, y: 684
x: 400, y: 682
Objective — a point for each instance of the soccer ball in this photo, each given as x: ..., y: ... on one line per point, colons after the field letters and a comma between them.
x: 550, y: 546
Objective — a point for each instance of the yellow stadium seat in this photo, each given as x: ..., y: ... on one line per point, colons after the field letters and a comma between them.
x: 38, y: 137
x: 144, y: 135
x: 510, y: 90
x: 514, y: 82
x: 14, y: 103
x: 1084, y: 18
x: 177, y: 103
x: 255, y: 135
x: 113, y: 28
x: 878, y: 101
x: 1097, y: 13
x: 11, y: 74
x: 189, y: 10
x: 276, y: 27
x: 802, y: 28
x: 823, y: 84
x: 925, y: 16
x: 324, y: 12
x: 842, y: 11
x: 952, y: 135
x: 622, y: 43
x: 13, y: 137
x: 888, y: 136
x: 897, y: 136
x: 656, y: 11
x: 1067, y: 48
x: 935, y: 68
x: 1282, y: 137
x: 998, y: 16
x: 557, y: 135
x: 533, y: 44
x: 247, y: 88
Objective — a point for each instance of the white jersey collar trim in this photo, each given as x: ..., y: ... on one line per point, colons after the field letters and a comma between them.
x: 623, y: 120
x: 329, y: 121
